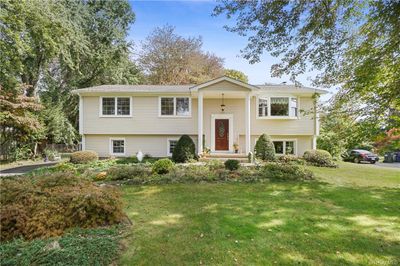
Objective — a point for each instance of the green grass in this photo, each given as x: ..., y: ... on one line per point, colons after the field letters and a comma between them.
x: 352, y: 174
x: 79, y: 247
x: 268, y: 223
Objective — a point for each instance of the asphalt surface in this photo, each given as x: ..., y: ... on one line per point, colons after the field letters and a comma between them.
x: 19, y: 170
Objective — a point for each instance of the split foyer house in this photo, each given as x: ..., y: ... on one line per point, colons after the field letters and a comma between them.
x: 120, y: 120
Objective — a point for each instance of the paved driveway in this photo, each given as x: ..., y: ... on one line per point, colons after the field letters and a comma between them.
x: 388, y: 165
x: 19, y: 170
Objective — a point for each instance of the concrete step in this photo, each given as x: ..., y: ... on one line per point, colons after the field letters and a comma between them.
x: 225, y: 156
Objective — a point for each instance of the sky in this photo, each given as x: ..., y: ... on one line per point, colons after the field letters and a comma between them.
x: 193, y: 18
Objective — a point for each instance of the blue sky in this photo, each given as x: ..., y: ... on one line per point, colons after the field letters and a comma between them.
x: 193, y: 18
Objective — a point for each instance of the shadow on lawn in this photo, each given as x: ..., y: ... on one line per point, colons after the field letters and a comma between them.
x: 311, y: 223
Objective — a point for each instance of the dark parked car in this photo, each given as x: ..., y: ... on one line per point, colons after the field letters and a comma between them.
x: 359, y: 156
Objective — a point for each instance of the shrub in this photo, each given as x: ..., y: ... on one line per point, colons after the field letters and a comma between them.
x: 277, y: 171
x: 83, y: 157
x: 185, y: 150
x: 51, y: 154
x: 232, y: 165
x: 290, y: 159
x: 47, y: 205
x: 64, y: 167
x: 163, y: 166
x: 319, y: 158
x: 128, y: 171
x: 215, y: 164
x: 264, y: 148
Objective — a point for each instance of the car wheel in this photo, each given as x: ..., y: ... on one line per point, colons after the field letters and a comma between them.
x: 373, y: 162
x: 356, y: 160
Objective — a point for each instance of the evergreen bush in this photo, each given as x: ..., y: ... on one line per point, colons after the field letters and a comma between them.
x: 264, y: 148
x: 185, y: 150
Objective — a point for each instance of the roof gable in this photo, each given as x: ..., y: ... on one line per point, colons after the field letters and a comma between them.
x: 223, y: 83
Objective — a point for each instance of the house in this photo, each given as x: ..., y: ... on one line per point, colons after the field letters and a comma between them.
x: 120, y: 120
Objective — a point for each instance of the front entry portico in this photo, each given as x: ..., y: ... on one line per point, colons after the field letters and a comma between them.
x: 222, y: 133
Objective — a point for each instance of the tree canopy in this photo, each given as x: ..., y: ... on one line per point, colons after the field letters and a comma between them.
x: 168, y: 58
x: 236, y: 74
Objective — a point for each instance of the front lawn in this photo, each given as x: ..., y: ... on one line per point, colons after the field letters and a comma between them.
x: 266, y: 223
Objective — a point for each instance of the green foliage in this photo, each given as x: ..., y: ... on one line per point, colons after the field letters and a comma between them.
x: 183, y: 61
x: 232, y: 165
x: 236, y: 74
x: 281, y: 172
x: 78, y: 247
x: 319, y: 158
x: 185, y: 150
x: 122, y: 172
x: 264, y: 148
x: 290, y: 159
x: 48, y: 205
x: 215, y: 164
x: 51, y: 154
x: 162, y: 166
x: 83, y: 157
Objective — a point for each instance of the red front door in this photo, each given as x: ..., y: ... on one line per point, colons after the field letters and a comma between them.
x: 221, y: 134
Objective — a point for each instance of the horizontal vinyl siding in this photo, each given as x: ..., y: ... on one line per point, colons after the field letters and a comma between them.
x: 144, y: 119
x: 156, y: 146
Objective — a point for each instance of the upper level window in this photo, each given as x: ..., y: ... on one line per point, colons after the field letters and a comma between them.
x: 262, y: 107
x: 277, y: 107
x: 175, y: 106
x: 116, y: 106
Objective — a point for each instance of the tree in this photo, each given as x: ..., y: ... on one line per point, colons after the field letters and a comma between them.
x: 353, y: 44
x: 168, y: 58
x: 236, y: 74
x: 185, y: 150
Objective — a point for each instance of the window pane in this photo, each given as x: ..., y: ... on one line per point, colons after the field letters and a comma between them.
x: 278, y: 147
x: 167, y: 106
x: 182, y: 106
x: 262, y: 107
x: 172, y: 145
x: 289, y: 147
x: 108, y: 106
x: 118, y: 146
x: 280, y: 106
x: 123, y: 106
x: 293, y: 105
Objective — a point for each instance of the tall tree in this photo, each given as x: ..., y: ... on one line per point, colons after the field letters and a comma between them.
x: 353, y: 44
x: 168, y: 58
x: 236, y: 74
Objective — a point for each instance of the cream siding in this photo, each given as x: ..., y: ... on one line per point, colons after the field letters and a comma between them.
x: 154, y: 145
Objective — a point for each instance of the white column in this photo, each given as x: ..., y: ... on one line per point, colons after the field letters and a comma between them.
x: 247, y: 121
x: 200, y: 123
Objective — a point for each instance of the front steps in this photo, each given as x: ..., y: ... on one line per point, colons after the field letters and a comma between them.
x: 241, y: 157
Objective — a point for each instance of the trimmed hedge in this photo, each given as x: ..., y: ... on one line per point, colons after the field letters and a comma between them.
x: 232, y: 165
x: 83, y: 157
x: 319, y: 158
x: 163, y: 166
x: 47, y: 205
x: 264, y: 148
x: 278, y: 171
x: 185, y: 150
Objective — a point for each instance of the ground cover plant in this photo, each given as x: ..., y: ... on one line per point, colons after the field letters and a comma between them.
x: 82, y: 247
x: 47, y: 205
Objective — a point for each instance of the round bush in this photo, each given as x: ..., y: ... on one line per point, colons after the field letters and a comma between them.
x: 82, y: 157
x: 232, y: 165
x: 185, y: 150
x: 163, y: 166
x: 264, y: 148
x: 319, y: 158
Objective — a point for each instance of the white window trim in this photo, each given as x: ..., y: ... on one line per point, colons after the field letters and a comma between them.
x: 168, y: 139
x: 111, y: 147
x: 271, y: 117
x: 174, y: 115
x: 284, y: 146
x: 116, y: 106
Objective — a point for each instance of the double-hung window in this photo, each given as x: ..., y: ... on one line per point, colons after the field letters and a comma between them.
x: 269, y: 107
x: 284, y: 147
x: 175, y: 106
x: 116, y: 106
x: 171, y: 146
x: 117, y: 146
